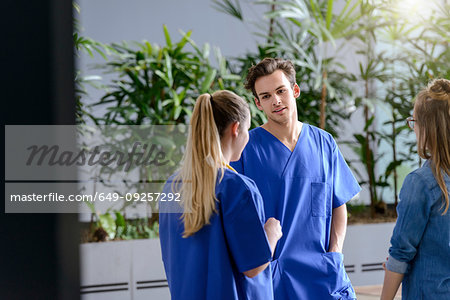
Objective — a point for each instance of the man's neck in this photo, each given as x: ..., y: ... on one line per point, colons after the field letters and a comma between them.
x: 287, y: 133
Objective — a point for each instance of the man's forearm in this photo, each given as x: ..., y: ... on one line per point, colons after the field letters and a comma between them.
x: 338, y: 228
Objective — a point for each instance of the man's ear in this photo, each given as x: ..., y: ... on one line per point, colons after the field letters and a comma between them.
x: 296, y: 90
x: 258, y: 103
x: 235, y: 129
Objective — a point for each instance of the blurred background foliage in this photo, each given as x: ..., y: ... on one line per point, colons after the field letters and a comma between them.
x: 401, y: 46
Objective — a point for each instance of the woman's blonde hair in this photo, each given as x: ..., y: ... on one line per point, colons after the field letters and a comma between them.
x: 432, y: 114
x: 203, y: 158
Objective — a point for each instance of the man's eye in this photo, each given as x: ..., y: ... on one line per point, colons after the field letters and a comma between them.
x: 281, y: 91
x: 265, y: 97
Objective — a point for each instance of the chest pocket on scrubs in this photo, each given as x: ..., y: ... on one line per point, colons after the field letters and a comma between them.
x: 320, y: 195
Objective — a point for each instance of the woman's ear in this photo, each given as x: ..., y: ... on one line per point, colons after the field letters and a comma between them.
x: 235, y: 129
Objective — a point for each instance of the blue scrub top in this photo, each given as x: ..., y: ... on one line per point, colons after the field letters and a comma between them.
x: 300, y: 188
x: 210, y: 263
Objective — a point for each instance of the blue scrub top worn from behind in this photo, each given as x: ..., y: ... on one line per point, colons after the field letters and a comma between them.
x: 210, y: 263
x: 300, y: 188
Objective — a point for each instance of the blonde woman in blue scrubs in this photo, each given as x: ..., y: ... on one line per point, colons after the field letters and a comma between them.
x: 217, y: 244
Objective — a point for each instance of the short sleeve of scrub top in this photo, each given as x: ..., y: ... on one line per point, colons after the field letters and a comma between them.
x: 345, y: 186
x: 244, y: 227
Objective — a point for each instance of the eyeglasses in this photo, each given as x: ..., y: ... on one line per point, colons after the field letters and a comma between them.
x: 411, y: 122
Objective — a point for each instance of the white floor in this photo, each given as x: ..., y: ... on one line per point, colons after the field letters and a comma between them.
x: 366, y: 297
x: 372, y: 292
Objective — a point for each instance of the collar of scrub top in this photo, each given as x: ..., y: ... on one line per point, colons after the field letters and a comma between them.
x: 230, y: 167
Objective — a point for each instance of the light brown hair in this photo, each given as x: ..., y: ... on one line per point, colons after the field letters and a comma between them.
x: 432, y: 114
x: 266, y: 67
x: 203, y: 158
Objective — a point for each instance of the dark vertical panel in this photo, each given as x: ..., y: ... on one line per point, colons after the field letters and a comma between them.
x: 62, y: 62
x: 26, y: 62
x: 39, y: 252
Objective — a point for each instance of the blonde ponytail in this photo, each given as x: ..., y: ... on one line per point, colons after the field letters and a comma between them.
x: 203, y: 159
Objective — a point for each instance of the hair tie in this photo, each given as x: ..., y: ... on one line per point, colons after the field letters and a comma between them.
x: 211, y: 101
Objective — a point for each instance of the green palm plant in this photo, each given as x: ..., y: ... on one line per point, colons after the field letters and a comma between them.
x: 413, y: 57
x: 156, y: 84
x: 419, y: 52
x: 159, y: 84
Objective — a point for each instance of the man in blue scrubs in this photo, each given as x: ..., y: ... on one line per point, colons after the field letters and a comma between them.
x: 305, y: 183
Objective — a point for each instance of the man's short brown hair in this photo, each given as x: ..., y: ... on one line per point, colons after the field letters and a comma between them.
x: 266, y: 67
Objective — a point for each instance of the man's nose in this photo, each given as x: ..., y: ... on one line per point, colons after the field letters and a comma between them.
x: 276, y: 100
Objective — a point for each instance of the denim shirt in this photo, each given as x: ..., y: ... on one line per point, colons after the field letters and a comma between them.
x: 420, y: 244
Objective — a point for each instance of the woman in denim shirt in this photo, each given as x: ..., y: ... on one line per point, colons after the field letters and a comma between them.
x: 420, y: 253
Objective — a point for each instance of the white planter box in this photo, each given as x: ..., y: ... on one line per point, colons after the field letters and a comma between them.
x: 365, y: 249
x: 123, y: 270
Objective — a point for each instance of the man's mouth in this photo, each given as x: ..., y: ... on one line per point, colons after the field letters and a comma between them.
x: 279, y: 110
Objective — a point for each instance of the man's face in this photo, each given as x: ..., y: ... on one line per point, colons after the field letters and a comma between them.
x: 277, y: 97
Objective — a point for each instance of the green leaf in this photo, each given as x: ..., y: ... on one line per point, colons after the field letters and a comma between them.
x: 176, y: 99
x: 139, y: 56
x: 369, y: 122
x: 232, y: 77
x: 230, y: 8
x: 91, y: 206
x: 362, y: 142
x: 183, y: 41
x: 206, y: 49
x: 163, y: 77
x: 148, y: 47
x: 314, y: 9
x: 209, y: 78
x: 108, y: 224
x: 392, y: 165
x: 76, y: 7
x: 135, y: 79
x: 166, y: 102
x: 187, y: 111
x: 168, y: 61
x: 177, y: 112
x: 329, y: 13
x: 167, y: 36
x: 120, y: 220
